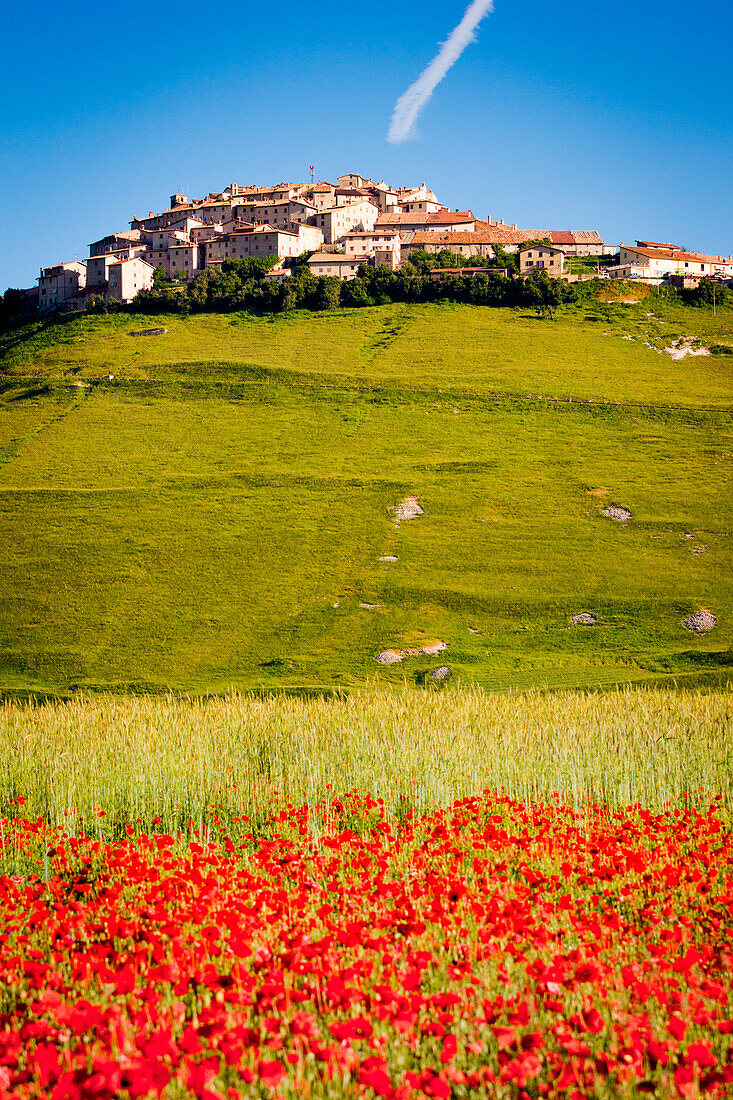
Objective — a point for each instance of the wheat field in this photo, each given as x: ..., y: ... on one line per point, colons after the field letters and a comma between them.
x: 164, y: 763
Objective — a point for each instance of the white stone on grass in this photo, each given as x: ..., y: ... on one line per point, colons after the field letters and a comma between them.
x: 700, y: 621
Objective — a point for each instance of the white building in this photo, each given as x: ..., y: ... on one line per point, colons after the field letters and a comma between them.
x: 59, y: 283
x: 365, y: 243
x: 128, y: 277
x: 98, y: 266
x: 260, y: 241
x: 337, y: 221
x: 656, y: 260
x: 330, y: 263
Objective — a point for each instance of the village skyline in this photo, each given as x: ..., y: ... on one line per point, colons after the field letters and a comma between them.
x: 577, y: 115
x: 333, y: 227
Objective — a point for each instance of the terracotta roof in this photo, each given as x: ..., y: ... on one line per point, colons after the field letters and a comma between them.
x: 574, y: 236
x: 376, y: 232
x: 656, y: 244
x: 536, y: 247
x: 561, y: 236
x: 440, y: 217
x: 583, y: 236
x: 333, y: 257
x: 675, y: 254
x: 508, y: 234
x: 447, y: 217
x: 426, y: 237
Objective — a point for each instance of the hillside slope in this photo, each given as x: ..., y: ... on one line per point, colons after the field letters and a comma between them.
x: 214, y: 514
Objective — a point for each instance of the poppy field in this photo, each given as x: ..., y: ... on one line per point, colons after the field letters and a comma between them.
x: 257, y: 926
x: 491, y: 948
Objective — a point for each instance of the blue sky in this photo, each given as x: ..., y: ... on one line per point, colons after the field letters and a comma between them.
x: 564, y: 114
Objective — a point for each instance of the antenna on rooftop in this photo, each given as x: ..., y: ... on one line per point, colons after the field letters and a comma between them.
x: 313, y: 173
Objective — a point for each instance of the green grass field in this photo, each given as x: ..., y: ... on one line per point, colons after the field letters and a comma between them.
x: 213, y: 515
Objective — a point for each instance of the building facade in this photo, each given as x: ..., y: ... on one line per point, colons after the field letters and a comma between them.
x: 541, y: 258
x: 59, y: 283
x: 127, y: 278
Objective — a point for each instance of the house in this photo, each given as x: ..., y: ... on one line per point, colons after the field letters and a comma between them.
x: 98, y: 266
x: 184, y: 258
x: 352, y: 179
x: 281, y: 213
x: 58, y: 283
x: 323, y: 195
x: 278, y: 275
x: 345, y: 195
x: 114, y: 242
x: 541, y: 258
x: 337, y: 221
x: 460, y: 244
x: 385, y: 197
x: 259, y: 241
x: 364, y: 243
x: 577, y: 242
x: 422, y: 206
x: 330, y: 263
x: 656, y: 260
x: 440, y: 221
x: 128, y: 277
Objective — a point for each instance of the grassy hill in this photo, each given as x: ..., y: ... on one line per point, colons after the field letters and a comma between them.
x: 213, y: 515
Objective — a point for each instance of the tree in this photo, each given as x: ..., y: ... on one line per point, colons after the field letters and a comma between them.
x: 328, y: 293
x: 509, y: 260
x: 545, y: 294
x: 709, y: 292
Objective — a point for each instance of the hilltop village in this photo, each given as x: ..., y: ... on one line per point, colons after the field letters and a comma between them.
x: 336, y: 226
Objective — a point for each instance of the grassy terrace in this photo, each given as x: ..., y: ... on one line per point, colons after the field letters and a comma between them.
x: 213, y: 516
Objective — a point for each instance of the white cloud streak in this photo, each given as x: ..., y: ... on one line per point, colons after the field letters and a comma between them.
x: 412, y: 101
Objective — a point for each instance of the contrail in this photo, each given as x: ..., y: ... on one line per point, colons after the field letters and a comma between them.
x: 412, y: 101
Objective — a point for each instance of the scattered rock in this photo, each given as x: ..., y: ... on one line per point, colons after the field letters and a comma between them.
x: 699, y: 549
x: 584, y: 619
x: 389, y: 657
x: 369, y: 606
x: 433, y: 649
x: 80, y: 385
x: 683, y: 348
x: 109, y: 377
x: 409, y: 508
x: 149, y: 332
x: 441, y: 673
x: 700, y: 621
x: 388, y: 557
x: 621, y: 515
x: 688, y: 535
x: 336, y: 604
x: 471, y: 630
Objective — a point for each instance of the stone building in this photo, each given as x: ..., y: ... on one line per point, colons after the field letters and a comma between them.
x: 541, y: 258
